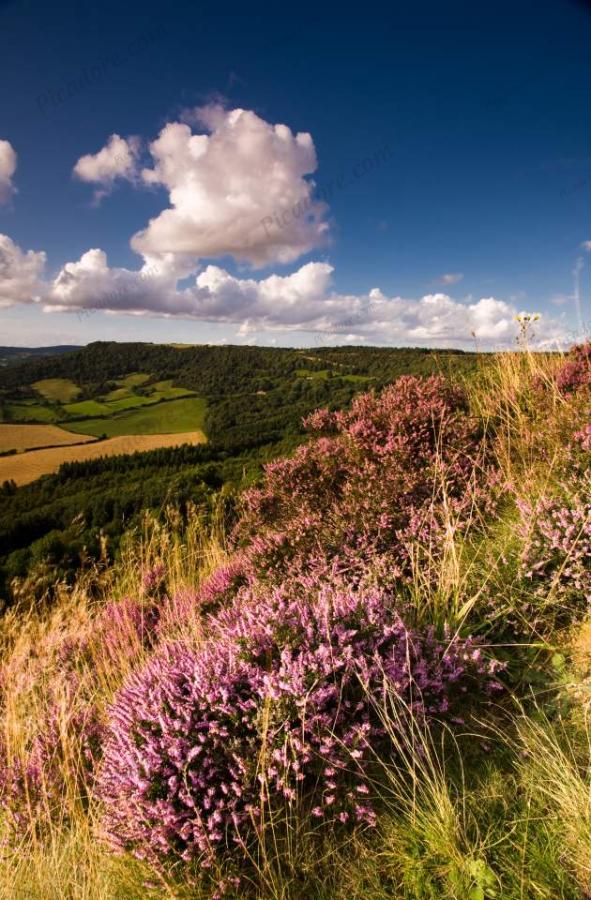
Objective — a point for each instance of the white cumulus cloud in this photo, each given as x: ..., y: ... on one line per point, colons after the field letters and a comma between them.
x: 117, y: 159
x: 586, y: 245
x: 91, y: 284
x: 8, y: 161
x: 20, y: 273
x: 238, y: 190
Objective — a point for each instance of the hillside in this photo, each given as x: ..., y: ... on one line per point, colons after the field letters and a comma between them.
x: 248, y: 402
x: 248, y: 390
x: 367, y: 676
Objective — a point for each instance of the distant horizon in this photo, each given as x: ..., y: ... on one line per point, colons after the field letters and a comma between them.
x: 436, y: 349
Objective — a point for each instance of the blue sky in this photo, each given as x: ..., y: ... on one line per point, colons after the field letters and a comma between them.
x: 453, y: 150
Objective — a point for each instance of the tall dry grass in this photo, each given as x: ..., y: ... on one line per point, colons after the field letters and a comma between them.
x: 515, y: 396
x: 58, y: 854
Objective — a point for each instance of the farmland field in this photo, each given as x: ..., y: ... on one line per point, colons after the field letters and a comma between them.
x: 31, y: 412
x: 322, y: 374
x: 23, y: 468
x: 165, y: 391
x: 27, y: 437
x: 87, y: 408
x: 60, y: 390
x: 125, y: 401
x: 134, y: 380
x: 168, y: 417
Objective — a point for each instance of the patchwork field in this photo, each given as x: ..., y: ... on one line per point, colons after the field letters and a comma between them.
x: 27, y: 437
x: 87, y: 408
x: 23, y: 468
x: 61, y: 424
x: 325, y: 375
x: 136, y: 404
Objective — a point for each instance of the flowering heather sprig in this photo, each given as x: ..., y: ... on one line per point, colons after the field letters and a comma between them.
x: 153, y: 579
x: 575, y: 373
x: 127, y: 624
x: 556, y: 556
x: 224, y: 582
x: 188, y: 606
x: 277, y: 706
x: 583, y: 438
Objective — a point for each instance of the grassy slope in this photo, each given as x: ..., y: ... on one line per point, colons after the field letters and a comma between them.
x: 134, y: 380
x: 86, y: 408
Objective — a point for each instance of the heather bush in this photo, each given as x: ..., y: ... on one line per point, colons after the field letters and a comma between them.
x: 221, y: 585
x: 306, y: 635
x: 153, y: 580
x: 374, y: 479
x: 277, y: 707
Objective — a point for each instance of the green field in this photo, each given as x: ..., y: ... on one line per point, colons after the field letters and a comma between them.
x: 118, y: 394
x: 164, y: 390
x: 171, y: 417
x: 323, y: 374
x: 133, y: 380
x: 60, y: 390
x: 87, y: 408
x: 356, y: 379
x: 123, y: 398
x: 326, y: 374
x: 127, y: 401
x: 30, y: 412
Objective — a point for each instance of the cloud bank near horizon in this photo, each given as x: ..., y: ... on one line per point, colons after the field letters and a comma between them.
x: 303, y: 302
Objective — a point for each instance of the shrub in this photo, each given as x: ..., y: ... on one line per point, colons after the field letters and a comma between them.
x: 126, y: 626
x: 278, y: 706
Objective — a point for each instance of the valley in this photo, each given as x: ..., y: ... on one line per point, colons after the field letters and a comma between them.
x: 93, y: 437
